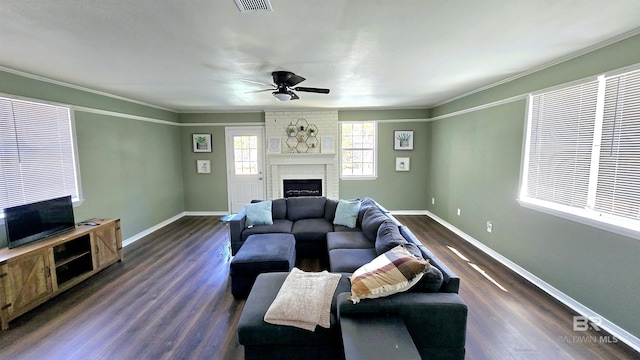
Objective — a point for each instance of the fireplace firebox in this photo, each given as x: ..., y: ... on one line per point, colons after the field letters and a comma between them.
x: 302, y: 187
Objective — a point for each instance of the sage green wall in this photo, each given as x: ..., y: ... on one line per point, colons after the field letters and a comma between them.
x: 129, y: 169
x: 204, y: 192
x: 475, y: 166
x: 394, y: 190
x: 208, y: 192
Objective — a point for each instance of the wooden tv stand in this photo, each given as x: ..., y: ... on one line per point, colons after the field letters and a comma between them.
x: 34, y: 273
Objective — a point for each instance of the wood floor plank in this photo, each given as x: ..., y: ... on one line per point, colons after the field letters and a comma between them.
x: 522, y: 322
x: 170, y: 299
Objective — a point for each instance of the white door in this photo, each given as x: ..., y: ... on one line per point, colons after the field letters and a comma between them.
x: 245, y: 166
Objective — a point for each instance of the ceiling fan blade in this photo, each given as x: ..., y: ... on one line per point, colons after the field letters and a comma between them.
x: 286, y: 78
x: 256, y: 91
x: 314, y: 90
x: 257, y: 82
x: 294, y: 96
x: 295, y: 80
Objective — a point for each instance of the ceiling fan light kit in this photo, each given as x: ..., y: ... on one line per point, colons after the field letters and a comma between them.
x: 282, y: 96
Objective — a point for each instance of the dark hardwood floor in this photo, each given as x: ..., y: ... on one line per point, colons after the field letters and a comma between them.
x: 170, y: 299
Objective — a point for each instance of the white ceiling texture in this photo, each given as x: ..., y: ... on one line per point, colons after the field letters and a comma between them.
x: 373, y: 54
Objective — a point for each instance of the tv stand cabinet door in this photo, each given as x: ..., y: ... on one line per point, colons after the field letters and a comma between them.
x: 106, y: 247
x: 27, y: 283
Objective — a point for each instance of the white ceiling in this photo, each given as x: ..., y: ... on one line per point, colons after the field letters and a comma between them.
x: 192, y: 55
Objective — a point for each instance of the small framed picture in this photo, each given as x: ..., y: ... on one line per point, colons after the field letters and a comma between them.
x: 201, y: 142
x: 203, y: 166
x: 403, y: 140
x: 274, y: 145
x: 327, y: 145
x: 403, y: 163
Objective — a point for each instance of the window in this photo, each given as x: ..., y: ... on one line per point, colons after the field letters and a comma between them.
x: 582, y: 151
x: 37, y: 153
x: 245, y: 154
x: 358, y: 150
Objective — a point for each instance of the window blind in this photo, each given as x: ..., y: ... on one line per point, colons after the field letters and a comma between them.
x: 37, y: 160
x: 561, y: 141
x: 618, y: 189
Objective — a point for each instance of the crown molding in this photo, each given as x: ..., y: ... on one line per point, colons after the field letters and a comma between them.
x: 555, y: 62
x: 81, y: 88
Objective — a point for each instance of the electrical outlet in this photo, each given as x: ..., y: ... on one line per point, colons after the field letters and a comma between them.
x: 458, y: 212
x: 489, y: 226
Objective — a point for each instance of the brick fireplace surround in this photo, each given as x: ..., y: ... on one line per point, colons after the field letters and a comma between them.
x: 318, y: 163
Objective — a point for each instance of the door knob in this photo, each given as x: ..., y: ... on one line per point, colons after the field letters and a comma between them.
x: 260, y: 178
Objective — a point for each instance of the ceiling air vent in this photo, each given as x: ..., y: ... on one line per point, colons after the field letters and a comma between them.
x: 253, y: 5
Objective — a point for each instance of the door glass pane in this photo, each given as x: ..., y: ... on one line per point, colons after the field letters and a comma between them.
x: 245, y: 155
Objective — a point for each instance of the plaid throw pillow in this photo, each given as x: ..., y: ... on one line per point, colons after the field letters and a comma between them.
x: 395, y: 271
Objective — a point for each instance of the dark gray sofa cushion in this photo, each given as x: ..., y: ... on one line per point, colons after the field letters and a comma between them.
x: 366, y: 203
x: 279, y: 209
x: 311, y: 230
x: 278, y: 226
x: 348, y: 240
x: 388, y: 237
x: 264, y: 253
x: 342, y: 228
x: 330, y: 209
x: 349, y: 260
x: 371, y: 221
x: 305, y: 208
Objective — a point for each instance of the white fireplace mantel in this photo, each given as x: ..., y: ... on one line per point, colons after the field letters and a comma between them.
x: 304, y: 166
x: 302, y: 159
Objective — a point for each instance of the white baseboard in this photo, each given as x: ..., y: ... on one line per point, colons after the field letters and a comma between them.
x: 144, y: 233
x: 409, y: 212
x: 610, y: 327
x: 206, y: 213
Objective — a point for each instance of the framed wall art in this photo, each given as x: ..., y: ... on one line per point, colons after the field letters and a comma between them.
x: 327, y: 145
x: 275, y: 144
x: 201, y: 142
x: 403, y: 163
x: 403, y: 140
x: 203, y: 166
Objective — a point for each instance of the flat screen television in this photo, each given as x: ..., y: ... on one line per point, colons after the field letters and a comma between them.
x: 28, y: 223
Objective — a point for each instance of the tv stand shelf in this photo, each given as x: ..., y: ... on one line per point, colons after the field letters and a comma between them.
x: 32, y: 274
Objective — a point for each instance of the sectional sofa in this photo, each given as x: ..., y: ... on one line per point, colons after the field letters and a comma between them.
x: 433, y: 312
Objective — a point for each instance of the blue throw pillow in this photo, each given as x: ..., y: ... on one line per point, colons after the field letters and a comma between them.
x: 347, y: 213
x: 259, y: 213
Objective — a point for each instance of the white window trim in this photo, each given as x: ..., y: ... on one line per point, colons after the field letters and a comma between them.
x: 76, y: 159
x: 594, y: 219
x: 606, y: 222
x: 375, y: 155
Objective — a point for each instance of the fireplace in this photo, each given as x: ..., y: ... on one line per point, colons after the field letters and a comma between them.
x: 301, y: 187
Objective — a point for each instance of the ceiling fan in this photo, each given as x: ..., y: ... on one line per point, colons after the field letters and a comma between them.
x: 284, y: 83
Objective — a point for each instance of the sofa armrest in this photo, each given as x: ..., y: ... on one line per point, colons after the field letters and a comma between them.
x: 236, y: 226
x: 433, y: 319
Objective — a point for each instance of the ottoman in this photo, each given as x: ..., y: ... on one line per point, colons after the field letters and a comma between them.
x: 264, y: 341
x: 261, y: 253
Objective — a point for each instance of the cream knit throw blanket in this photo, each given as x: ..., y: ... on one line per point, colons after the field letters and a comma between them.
x: 304, y: 300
